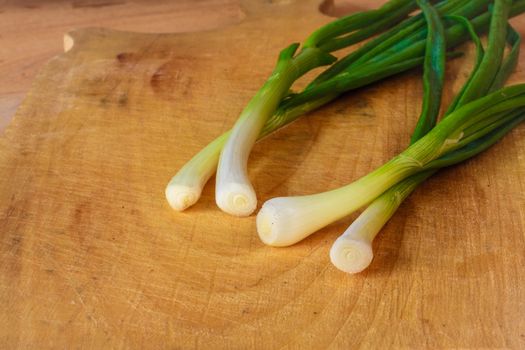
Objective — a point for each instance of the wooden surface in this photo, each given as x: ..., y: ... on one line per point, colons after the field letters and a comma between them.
x: 91, y: 255
x: 31, y: 31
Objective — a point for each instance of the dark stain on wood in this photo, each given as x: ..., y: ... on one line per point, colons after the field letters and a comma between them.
x: 95, y: 4
x: 160, y: 77
x: 126, y: 57
x: 9, y: 212
x: 170, y: 81
x: 12, y: 248
x: 81, y: 217
x: 15, y: 244
x: 123, y: 100
x: 342, y: 8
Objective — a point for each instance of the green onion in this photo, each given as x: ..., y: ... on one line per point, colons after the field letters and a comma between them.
x: 352, y: 252
x: 234, y: 193
x: 480, y: 52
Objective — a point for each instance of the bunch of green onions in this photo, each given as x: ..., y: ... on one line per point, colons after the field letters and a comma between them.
x: 476, y: 119
x: 479, y: 116
x: 397, y: 50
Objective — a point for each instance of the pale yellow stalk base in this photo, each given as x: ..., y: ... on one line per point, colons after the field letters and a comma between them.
x: 351, y: 255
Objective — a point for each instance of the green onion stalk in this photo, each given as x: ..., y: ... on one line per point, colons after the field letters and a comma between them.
x: 234, y: 192
x: 352, y: 252
x: 348, y: 73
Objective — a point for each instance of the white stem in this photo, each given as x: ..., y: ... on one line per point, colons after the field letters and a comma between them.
x: 352, y: 251
x: 186, y: 186
x: 351, y: 255
x: 181, y: 197
x: 234, y: 192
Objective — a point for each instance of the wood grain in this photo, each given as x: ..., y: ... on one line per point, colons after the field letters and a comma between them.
x: 91, y: 255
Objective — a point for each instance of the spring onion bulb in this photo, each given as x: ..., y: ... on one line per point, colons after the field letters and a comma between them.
x: 284, y: 221
x: 185, y: 188
x: 352, y: 251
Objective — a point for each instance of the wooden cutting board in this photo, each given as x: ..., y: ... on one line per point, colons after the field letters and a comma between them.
x: 91, y: 255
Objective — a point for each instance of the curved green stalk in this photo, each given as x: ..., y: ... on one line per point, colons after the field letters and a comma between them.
x: 370, y: 29
x: 381, y: 43
x: 509, y: 64
x: 480, y: 52
x: 491, y: 63
x: 234, y: 193
x: 352, y: 251
x: 354, y: 22
x: 434, y: 72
